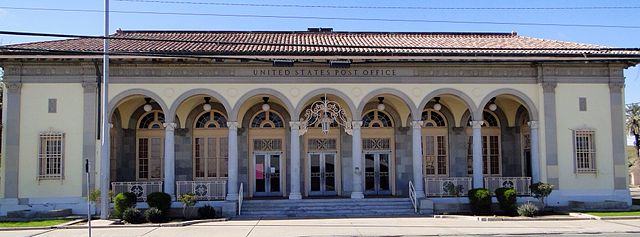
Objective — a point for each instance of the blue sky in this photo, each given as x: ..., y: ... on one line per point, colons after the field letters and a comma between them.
x: 91, y: 23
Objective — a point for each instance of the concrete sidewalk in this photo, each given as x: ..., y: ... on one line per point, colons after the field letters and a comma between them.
x: 360, y: 227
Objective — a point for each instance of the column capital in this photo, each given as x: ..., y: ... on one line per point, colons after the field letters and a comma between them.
x: 476, y: 124
x: 417, y: 124
x: 13, y: 87
x: 89, y: 85
x: 356, y: 124
x: 549, y: 87
x: 169, y: 126
x: 533, y: 124
x: 295, y: 125
x: 616, y: 86
x: 232, y: 125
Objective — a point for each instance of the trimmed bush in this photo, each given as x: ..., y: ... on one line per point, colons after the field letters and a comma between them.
x: 541, y: 190
x: 154, y: 215
x: 133, y: 216
x: 507, y: 198
x: 160, y: 200
x: 527, y: 209
x: 122, y: 202
x: 206, y: 212
x: 480, y: 201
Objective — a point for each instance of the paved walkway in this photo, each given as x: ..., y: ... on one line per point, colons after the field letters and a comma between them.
x: 360, y: 227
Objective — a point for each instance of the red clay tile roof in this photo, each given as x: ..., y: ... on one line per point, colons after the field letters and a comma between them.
x: 345, y: 44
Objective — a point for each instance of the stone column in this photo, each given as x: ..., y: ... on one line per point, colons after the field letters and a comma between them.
x: 169, y: 159
x: 89, y: 126
x: 418, y: 178
x: 232, y: 180
x: 357, y: 161
x: 478, y: 181
x: 11, y: 127
x: 295, y: 161
x: 535, y: 157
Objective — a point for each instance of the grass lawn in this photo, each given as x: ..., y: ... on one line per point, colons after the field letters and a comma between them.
x: 7, y: 224
x: 615, y: 213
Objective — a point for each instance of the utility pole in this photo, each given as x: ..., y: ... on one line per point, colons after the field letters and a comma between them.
x: 104, y: 126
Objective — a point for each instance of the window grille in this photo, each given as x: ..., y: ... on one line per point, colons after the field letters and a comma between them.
x: 267, y: 145
x: 584, y: 151
x: 372, y: 144
x: 51, y: 156
x: 322, y: 144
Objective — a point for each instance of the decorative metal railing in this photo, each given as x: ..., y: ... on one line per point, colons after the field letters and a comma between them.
x: 140, y: 189
x: 240, y: 199
x: 521, y: 184
x: 412, y: 196
x: 205, y: 190
x: 447, y: 186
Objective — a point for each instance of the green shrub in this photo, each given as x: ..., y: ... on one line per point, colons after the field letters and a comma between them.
x: 122, y: 202
x: 133, y: 216
x: 154, y: 215
x: 507, y: 198
x: 527, y: 209
x: 206, y: 212
x: 188, y: 200
x: 480, y: 201
x: 541, y: 190
x: 160, y: 200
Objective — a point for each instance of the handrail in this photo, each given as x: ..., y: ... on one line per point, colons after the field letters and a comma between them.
x: 412, y: 196
x: 240, y: 198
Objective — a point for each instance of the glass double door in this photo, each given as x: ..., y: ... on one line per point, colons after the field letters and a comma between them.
x: 322, y: 174
x: 267, y: 174
x: 377, y: 173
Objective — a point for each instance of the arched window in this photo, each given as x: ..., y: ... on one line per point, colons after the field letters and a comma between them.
x: 152, y: 120
x: 433, y: 118
x: 435, y: 153
x: 376, y: 119
x: 210, y: 146
x: 211, y: 119
x: 269, y: 119
x: 150, y: 146
x: 491, y: 145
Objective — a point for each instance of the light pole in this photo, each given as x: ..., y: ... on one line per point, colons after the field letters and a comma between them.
x: 104, y: 126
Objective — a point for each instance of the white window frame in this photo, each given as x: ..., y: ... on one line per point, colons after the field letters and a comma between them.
x: 584, y: 158
x: 48, y: 158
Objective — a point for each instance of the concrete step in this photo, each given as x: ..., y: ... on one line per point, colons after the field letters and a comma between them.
x: 339, y: 207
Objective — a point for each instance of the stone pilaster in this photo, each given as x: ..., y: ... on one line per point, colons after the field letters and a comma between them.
x: 295, y: 161
x: 232, y: 180
x: 418, y: 177
x: 11, y: 130
x: 89, y: 128
x: 478, y: 181
x: 550, y: 133
x: 357, y: 161
x: 169, y: 159
x: 620, y: 168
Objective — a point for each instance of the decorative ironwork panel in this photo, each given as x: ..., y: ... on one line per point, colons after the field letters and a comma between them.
x: 267, y: 144
x: 319, y: 144
x: 376, y: 144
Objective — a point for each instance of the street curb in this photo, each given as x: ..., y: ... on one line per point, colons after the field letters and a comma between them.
x: 495, y: 218
x: 71, y: 225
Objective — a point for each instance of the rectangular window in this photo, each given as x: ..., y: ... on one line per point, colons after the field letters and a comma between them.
x: 51, y: 156
x: 585, y: 151
x: 53, y: 106
x: 582, y: 101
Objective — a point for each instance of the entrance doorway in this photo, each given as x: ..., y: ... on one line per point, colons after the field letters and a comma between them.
x: 268, y: 168
x: 377, y: 173
x: 322, y: 174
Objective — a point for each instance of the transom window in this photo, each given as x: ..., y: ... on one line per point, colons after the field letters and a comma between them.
x: 376, y: 119
x: 269, y: 119
x: 152, y: 120
x: 433, y: 118
x: 211, y: 119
